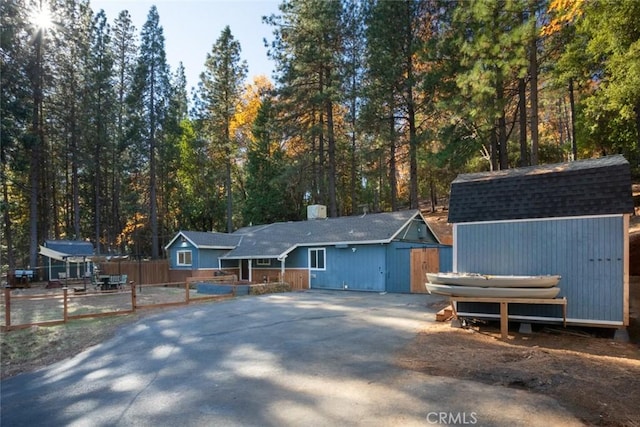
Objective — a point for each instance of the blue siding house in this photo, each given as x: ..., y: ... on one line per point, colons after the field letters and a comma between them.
x: 371, y: 252
x: 570, y: 219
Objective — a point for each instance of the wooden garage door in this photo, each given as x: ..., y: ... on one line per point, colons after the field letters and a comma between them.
x: 423, y: 260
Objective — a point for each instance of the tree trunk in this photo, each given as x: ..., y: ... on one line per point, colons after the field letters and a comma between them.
x: 503, y: 154
x: 34, y: 167
x: 331, y: 148
x: 636, y: 110
x: 229, y: 194
x: 522, y: 107
x: 393, y: 183
x: 433, y: 194
x: 8, y: 236
x: 494, y: 149
x: 413, y: 156
x: 574, y: 144
x: 354, y: 164
x: 533, y: 72
x: 155, y: 253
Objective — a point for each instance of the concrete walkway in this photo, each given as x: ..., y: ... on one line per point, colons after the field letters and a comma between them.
x: 309, y: 358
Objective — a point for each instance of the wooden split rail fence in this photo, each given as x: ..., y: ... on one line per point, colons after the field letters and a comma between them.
x: 140, y: 297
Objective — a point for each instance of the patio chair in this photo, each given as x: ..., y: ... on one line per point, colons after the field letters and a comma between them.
x: 123, y: 281
x: 114, y: 281
x: 94, y: 281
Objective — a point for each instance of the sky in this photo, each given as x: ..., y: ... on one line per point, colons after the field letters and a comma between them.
x: 191, y: 28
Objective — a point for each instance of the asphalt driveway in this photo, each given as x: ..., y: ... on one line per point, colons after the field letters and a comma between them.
x: 309, y: 358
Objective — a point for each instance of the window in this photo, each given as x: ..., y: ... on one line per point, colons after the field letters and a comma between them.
x: 316, y: 259
x: 263, y: 262
x: 184, y: 257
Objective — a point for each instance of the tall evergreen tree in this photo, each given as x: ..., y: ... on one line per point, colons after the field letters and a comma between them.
x: 354, y: 45
x: 609, y: 33
x: 152, y: 91
x: 492, y: 43
x: 222, y: 83
x: 124, y: 45
x: 99, y: 130
x: 395, y: 32
x: 15, y: 99
x: 265, y: 184
x: 308, y: 50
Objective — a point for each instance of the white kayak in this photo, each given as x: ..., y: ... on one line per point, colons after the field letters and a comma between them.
x: 493, y: 281
x: 490, y: 292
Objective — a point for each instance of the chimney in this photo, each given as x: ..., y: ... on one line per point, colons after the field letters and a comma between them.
x: 316, y: 212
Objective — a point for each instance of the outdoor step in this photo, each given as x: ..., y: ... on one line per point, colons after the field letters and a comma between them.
x: 444, y: 314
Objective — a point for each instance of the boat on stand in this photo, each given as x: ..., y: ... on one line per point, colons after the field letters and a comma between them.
x: 493, y: 286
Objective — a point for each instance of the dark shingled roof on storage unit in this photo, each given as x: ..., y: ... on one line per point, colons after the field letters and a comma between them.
x: 585, y: 187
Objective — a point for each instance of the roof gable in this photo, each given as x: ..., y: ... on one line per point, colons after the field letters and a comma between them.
x: 586, y: 187
x: 206, y: 239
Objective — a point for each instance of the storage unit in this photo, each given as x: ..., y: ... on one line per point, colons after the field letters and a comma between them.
x: 570, y: 219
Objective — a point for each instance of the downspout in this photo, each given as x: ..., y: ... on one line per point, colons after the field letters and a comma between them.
x: 282, y: 267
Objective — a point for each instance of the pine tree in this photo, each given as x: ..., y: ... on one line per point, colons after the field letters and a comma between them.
x: 151, y: 96
x: 222, y: 83
x: 492, y: 43
x: 395, y: 36
x: 265, y: 184
x: 124, y: 45
x: 308, y: 50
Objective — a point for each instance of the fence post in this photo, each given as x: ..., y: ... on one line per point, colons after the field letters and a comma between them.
x: 133, y: 296
x: 7, y: 307
x: 65, y: 304
x: 186, y: 287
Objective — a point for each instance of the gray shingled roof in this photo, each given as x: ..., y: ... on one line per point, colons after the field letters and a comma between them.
x: 205, y: 239
x: 274, y: 240
x: 586, y: 187
x: 70, y: 247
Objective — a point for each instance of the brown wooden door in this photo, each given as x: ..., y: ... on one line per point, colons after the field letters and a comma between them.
x: 423, y: 261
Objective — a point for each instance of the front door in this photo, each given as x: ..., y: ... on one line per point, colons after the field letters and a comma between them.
x: 244, y: 269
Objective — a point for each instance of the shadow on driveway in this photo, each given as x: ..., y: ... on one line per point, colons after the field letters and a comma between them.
x: 305, y: 358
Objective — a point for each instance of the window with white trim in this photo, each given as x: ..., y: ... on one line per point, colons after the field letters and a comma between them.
x: 184, y: 257
x: 317, y: 259
x: 263, y: 262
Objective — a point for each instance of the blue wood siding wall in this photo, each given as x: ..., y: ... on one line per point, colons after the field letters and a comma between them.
x: 173, y: 257
x: 362, y: 269
x: 298, y: 258
x: 586, y: 252
x: 208, y: 258
x: 446, y: 259
x: 200, y: 258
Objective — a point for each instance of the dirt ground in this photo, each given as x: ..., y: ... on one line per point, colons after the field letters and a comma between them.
x: 586, y: 370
